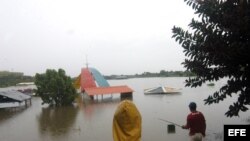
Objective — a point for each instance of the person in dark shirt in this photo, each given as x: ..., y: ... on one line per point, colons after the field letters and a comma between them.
x: 196, y: 124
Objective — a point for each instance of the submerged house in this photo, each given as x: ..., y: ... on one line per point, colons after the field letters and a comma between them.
x: 92, y: 83
x: 13, y: 98
x: 161, y: 90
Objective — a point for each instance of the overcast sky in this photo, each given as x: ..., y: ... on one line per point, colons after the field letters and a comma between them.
x: 116, y: 36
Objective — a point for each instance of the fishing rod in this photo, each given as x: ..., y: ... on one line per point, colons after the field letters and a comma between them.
x: 169, y: 122
x: 211, y: 131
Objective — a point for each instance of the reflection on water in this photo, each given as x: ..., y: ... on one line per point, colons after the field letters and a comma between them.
x: 92, y: 108
x: 6, y: 114
x: 57, y: 120
x: 92, y: 120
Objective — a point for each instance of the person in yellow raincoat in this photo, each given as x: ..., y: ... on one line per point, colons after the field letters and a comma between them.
x: 127, y: 122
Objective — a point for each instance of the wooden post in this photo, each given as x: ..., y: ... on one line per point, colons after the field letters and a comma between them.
x: 26, y: 103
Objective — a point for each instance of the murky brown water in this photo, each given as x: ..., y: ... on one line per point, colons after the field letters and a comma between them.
x: 92, y: 121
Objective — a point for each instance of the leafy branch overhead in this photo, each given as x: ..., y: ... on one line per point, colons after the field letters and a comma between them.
x: 217, y: 46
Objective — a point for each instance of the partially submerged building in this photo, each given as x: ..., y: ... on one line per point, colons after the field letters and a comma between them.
x: 92, y: 83
x: 13, y: 98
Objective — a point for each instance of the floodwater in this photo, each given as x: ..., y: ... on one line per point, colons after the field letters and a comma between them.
x: 92, y: 120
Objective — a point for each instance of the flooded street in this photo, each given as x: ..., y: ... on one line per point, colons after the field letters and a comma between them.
x: 92, y: 120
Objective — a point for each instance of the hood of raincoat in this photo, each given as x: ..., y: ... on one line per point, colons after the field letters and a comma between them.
x: 127, y: 122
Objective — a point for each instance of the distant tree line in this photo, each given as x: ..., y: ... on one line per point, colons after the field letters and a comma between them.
x: 162, y: 73
x: 12, y: 78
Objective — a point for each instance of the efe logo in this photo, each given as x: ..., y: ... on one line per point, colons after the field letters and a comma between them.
x: 236, y: 132
x: 240, y: 132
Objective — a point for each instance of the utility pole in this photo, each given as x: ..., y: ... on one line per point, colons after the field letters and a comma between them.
x: 87, y: 65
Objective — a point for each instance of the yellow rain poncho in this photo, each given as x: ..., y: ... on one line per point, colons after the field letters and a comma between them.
x: 77, y: 83
x: 127, y: 122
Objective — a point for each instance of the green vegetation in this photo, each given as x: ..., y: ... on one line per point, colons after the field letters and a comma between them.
x: 55, y: 88
x: 12, y: 78
x: 162, y: 73
x: 217, y: 47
